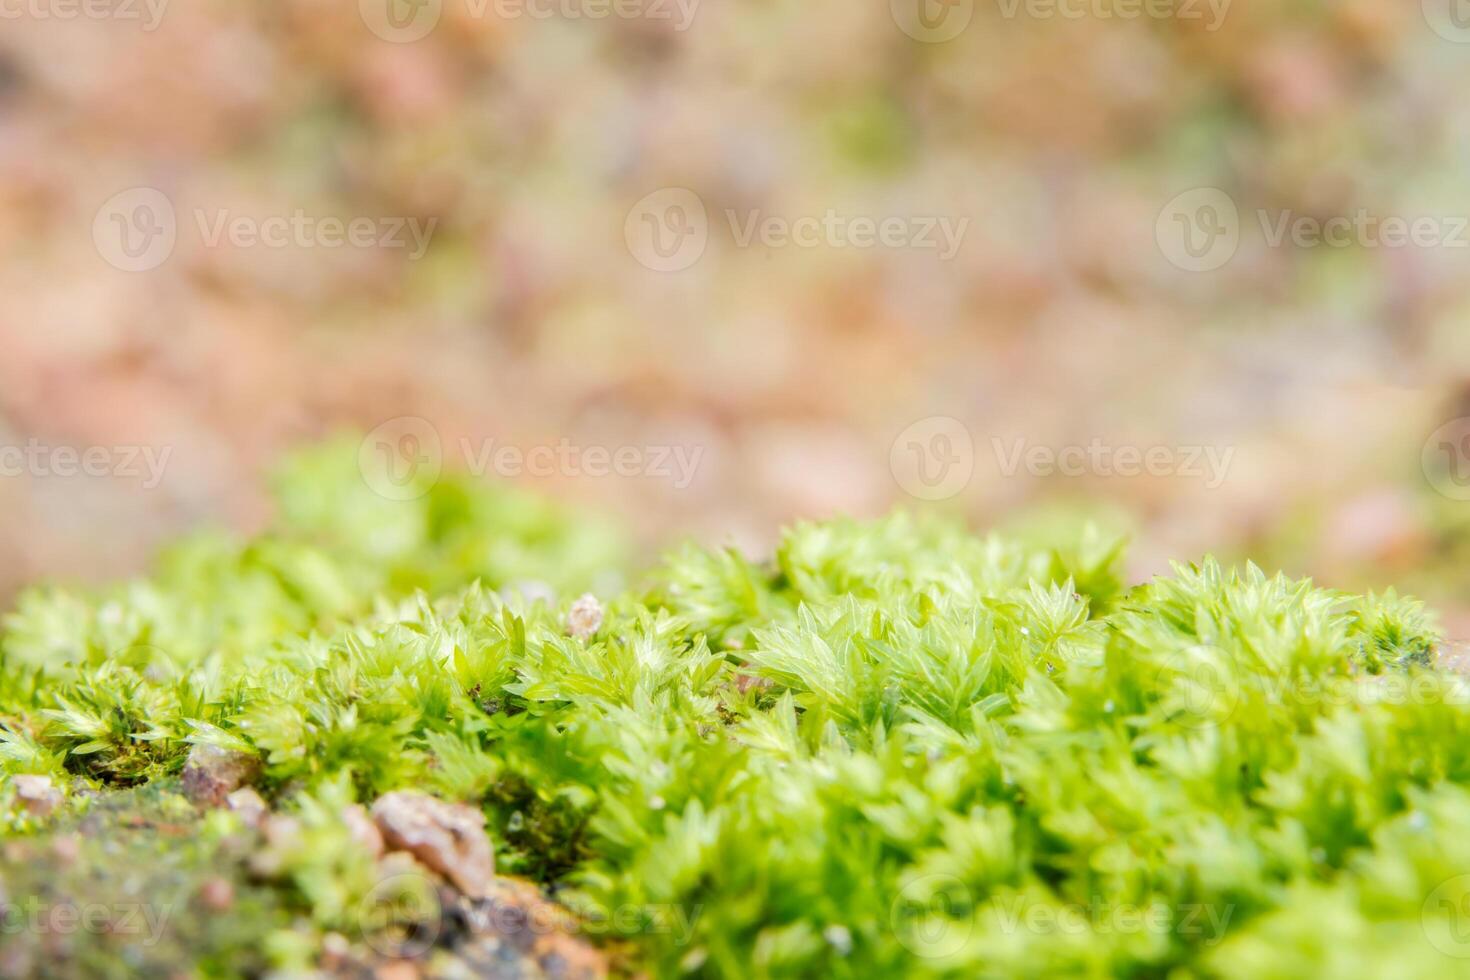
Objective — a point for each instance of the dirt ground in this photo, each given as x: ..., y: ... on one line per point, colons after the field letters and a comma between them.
x: 1293, y: 394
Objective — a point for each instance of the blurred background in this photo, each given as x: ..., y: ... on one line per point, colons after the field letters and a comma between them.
x: 1199, y: 266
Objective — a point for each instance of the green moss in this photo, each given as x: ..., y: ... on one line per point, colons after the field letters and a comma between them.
x: 897, y: 749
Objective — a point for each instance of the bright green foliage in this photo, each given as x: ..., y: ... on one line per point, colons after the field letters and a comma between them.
x: 896, y: 750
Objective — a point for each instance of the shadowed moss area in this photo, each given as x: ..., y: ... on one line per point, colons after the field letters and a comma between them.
x: 896, y: 748
x: 133, y: 883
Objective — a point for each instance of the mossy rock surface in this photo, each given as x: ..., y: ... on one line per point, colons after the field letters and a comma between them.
x: 896, y: 748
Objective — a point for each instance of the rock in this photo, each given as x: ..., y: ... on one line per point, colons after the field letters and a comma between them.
x: 282, y: 830
x: 248, y: 804
x: 362, y: 829
x: 66, y: 848
x: 282, y: 834
x: 397, y: 970
x: 37, y: 794
x: 448, y: 838
x: 515, y: 922
x: 335, y: 951
x: 217, y: 894
x: 212, y: 773
x: 585, y: 617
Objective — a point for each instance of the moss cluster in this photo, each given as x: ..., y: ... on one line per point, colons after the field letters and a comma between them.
x: 896, y: 749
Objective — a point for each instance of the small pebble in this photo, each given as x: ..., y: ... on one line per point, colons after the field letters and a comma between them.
x: 212, y: 773
x: 585, y: 617
x: 217, y: 894
x: 249, y: 805
x: 37, y: 794
x: 448, y: 838
x: 396, y: 970
x: 67, y: 848
x: 362, y: 829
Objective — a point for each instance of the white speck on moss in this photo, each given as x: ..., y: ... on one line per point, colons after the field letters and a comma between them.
x: 585, y: 617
